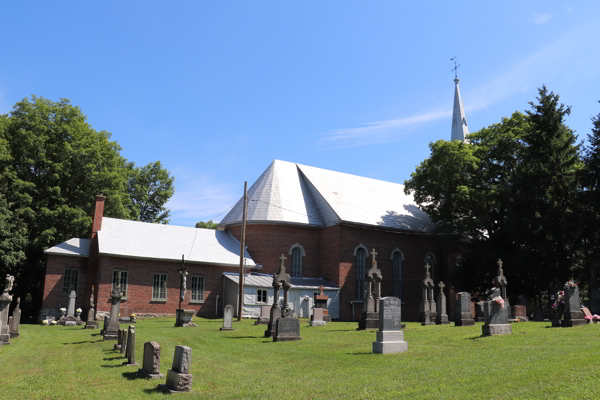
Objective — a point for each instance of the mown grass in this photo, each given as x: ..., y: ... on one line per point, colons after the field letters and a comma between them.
x: 332, y: 362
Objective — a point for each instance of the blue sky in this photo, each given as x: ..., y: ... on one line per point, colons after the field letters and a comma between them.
x: 217, y: 90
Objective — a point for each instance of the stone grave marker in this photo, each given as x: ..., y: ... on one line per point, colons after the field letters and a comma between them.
x: 110, y: 332
x: 427, y: 304
x: 317, y: 317
x: 151, y: 366
x: 442, y: 316
x: 586, y: 312
x: 91, y: 320
x: 179, y: 378
x: 389, y: 339
x: 520, y: 312
x: 264, y: 315
x: 463, y: 315
x: 369, y: 318
x: 70, y: 320
x: 496, y: 318
x: 119, y: 343
x: 287, y: 329
x: 573, y: 315
x: 124, y: 344
x: 15, y: 325
x: 227, y: 318
x: 5, y: 300
x: 480, y: 311
x: 279, y: 280
x: 131, y: 346
x: 321, y: 302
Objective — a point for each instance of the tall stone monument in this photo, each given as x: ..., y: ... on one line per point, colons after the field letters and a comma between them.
x: 573, y: 316
x: 427, y: 308
x: 496, y: 315
x: 390, y: 339
x: 5, y: 300
x: 113, y: 323
x: 279, y: 280
x: 369, y: 318
x: 15, y: 326
x: 441, y: 317
x: 91, y: 319
x: 463, y: 317
x: 70, y: 319
x: 501, y: 281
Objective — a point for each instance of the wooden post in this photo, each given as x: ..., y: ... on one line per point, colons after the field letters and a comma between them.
x: 242, y: 252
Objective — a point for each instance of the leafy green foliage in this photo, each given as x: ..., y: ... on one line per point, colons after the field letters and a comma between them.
x: 52, y: 165
x: 150, y: 188
x: 511, y: 192
x: 207, y: 225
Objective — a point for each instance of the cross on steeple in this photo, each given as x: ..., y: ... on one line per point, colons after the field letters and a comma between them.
x: 374, y: 253
x: 455, y: 69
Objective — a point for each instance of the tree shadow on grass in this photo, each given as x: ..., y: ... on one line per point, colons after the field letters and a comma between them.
x: 86, y: 341
x: 360, y: 353
x: 112, y: 358
x: 112, y: 366
x: 340, y: 330
x: 131, y: 376
x: 243, y: 337
x: 96, y: 334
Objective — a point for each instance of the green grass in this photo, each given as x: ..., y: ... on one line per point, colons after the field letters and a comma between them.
x: 332, y: 362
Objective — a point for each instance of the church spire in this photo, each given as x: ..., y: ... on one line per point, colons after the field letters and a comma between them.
x: 460, y: 128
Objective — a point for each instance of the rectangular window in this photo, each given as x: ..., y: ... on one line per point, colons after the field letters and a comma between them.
x: 70, y: 281
x: 123, y: 282
x: 197, y: 288
x: 159, y: 287
x: 261, y: 296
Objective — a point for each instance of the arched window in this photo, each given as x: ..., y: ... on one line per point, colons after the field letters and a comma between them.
x: 397, y: 260
x: 430, y: 259
x: 361, y: 257
x: 297, y: 253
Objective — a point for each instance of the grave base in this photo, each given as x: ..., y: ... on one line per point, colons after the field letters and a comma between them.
x: 14, y: 334
x: 496, y: 329
x: 286, y: 338
x: 261, y: 321
x: 108, y: 335
x: 464, y: 322
x: 427, y: 323
x: 5, y: 339
x: 442, y: 319
x: 226, y: 329
x: 389, y: 342
x: 368, y: 320
x: 149, y: 375
x: 92, y: 325
x: 327, y: 318
x: 177, y: 382
x: 130, y: 365
x: 569, y: 323
x: 318, y: 323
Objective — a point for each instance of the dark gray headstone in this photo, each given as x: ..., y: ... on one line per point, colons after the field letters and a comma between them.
x: 131, y: 346
x: 389, y: 314
x: 287, y: 329
x: 182, y: 359
x: 152, y: 360
x: 495, y: 313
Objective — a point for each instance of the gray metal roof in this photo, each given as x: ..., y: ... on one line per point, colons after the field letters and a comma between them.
x: 133, y: 239
x: 75, y: 247
x: 264, y: 280
x: 294, y: 193
x: 460, y: 128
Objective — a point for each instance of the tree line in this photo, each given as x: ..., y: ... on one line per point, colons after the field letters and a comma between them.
x: 523, y: 190
x: 52, y: 165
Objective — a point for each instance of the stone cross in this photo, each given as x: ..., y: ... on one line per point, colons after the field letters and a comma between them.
x: 427, y: 273
x: 285, y: 281
x: 71, y: 308
x: 282, y: 258
x: 183, y: 287
x: 373, y: 285
x: 427, y: 305
x: 501, y: 279
x: 374, y: 253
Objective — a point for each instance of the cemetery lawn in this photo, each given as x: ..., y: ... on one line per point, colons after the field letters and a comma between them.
x: 332, y: 362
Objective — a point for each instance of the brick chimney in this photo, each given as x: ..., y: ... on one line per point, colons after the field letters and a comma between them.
x: 98, y: 214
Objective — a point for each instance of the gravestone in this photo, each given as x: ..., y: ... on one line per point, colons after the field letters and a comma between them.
x: 91, y: 320
x: 15, y: 325
x: 479, y: 311
x: 321, y: 302
x: 151, y: 366
x: 317, y: 317
x: 520, y: 312
x: 179, y: 378
x: 119, y: 343
x: 70, y: 319
x: 389, y: 339
x: 110, y: 332
x: 427, y: 304
x: 586, y: 312
x: 463, y: 315
x: 5, y: 300
x: 131, y: 346
x: 287, y: 329
x: 104, y: 326
x: 442, y: 316
x: 264, y: 315
x: 573, y: 315
x: 124, y: 343
x: 279, y: 280
x: 227, y: 318
x: 369, y: 318
x: 496, y: 315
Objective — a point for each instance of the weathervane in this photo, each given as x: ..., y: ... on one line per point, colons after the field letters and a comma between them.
x: 455, y: 67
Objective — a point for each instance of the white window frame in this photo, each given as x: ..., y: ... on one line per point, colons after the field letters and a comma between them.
x: 195, y: 280
x: 68, y: 292
x: 258, y: 296
x: 124, y: 280
x: 157, y: 289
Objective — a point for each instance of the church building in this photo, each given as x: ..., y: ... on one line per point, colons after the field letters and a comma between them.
x: 329, y: 225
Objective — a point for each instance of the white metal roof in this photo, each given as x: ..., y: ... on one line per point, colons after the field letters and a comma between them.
x: 294, y: 193
x: 75, y: 247
x: 135, y: 239
x: 264, y: 280
x: 460, y: 128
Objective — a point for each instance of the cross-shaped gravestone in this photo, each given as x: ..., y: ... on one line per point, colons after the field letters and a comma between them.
x: 441, y: 286
x: 427, y: 274
x: 282, y: 258
x: 321, y: 290
x: 374, y: 253
x: 501, y: 279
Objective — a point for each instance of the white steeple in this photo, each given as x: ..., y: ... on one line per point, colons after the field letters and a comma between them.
x: 460, y: 128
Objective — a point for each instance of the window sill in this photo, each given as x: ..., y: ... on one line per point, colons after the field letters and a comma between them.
x: 159, y: 300
x: 196, y: 302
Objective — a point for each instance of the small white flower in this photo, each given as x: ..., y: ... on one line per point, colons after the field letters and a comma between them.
x: 45, y: 322
x: 63, y: 309
x: 78, y: 310
x: 53, y: 322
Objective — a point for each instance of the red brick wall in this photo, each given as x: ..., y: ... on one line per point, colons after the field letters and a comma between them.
x: 139, y: 285
x: 54, y: 279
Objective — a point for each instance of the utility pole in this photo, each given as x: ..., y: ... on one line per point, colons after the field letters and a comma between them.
x: 242, y: 253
